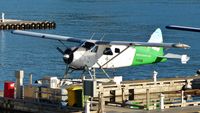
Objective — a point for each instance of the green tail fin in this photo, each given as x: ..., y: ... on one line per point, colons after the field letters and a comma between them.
x: 149, y: 55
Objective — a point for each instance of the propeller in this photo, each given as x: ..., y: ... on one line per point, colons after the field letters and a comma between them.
x: 67, y: 54
x: 67, y: 57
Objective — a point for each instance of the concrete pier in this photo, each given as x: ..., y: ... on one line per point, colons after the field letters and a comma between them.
x: 11, y: 24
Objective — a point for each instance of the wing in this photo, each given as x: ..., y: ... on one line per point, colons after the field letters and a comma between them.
x: 99, y: 42
x: 48, y: 36
x: 183, y: 28
x: 165, y: 45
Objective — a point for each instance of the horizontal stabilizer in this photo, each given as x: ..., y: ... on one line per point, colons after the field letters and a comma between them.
x: 184, y: 58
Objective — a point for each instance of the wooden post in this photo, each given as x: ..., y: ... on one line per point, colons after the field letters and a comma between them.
x: 123, y: 97
x: 147, y: 98
x: 155, y: 73
x: 87, y: 106
x: 101, y: 105
x: 30, y: 79
x: 162, y: 105
x: 182, y: 98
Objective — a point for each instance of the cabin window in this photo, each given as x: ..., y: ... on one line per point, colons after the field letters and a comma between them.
x: 117, y: 50
x: 94, y: 49
x: 107, y: 51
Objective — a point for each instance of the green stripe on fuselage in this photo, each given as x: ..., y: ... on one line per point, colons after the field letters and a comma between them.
x: 147, y: 55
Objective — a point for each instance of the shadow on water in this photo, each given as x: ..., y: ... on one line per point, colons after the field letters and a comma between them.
x: 11, y: 111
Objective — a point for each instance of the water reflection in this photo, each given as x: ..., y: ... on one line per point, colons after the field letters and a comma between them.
x: 10, y: 111
x: 2, y: 47
x: 2, y: 41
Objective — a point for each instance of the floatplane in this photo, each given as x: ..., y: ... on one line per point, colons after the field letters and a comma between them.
x: 100, y: 54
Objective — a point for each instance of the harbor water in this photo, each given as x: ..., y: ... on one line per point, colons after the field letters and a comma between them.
x: 127, y: 20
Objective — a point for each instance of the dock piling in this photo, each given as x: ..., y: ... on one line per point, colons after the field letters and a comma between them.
x: 182, y: 98
x: 155, y: 73
x: 147, y: 98
x: 162, y: 96
x: 87, y: 106
x: 101, y: 105
x: 123, y: 96
x: 19, y: 83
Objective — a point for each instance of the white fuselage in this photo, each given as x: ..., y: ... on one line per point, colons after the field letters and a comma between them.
x: 103, y: 57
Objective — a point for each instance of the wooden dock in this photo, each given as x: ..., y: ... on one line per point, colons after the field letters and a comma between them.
x: 34, y: 107
x: 135, y: 94
x: 10, y: 24
x: 131, y: 89
x: 145, y: 94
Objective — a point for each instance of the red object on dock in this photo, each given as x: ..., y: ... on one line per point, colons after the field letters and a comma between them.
x: 9, y: 89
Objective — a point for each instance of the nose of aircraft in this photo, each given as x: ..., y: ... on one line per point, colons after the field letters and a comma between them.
x: 68, y: 56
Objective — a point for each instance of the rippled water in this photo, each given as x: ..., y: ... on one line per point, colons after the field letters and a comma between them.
x: 132, y: 20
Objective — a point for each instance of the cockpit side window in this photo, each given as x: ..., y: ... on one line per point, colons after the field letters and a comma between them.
x: 107, y: 51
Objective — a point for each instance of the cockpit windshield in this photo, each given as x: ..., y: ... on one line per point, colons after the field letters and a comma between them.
x: 88, y: 45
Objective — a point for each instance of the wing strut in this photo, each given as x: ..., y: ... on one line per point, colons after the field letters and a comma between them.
x: 103, y: 70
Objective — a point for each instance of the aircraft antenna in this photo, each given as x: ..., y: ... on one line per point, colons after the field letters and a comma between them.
x: 102, y: 37
x: 92, y: 36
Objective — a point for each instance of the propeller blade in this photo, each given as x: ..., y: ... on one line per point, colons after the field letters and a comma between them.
x: 60, y: 50
x: 75, y: 49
